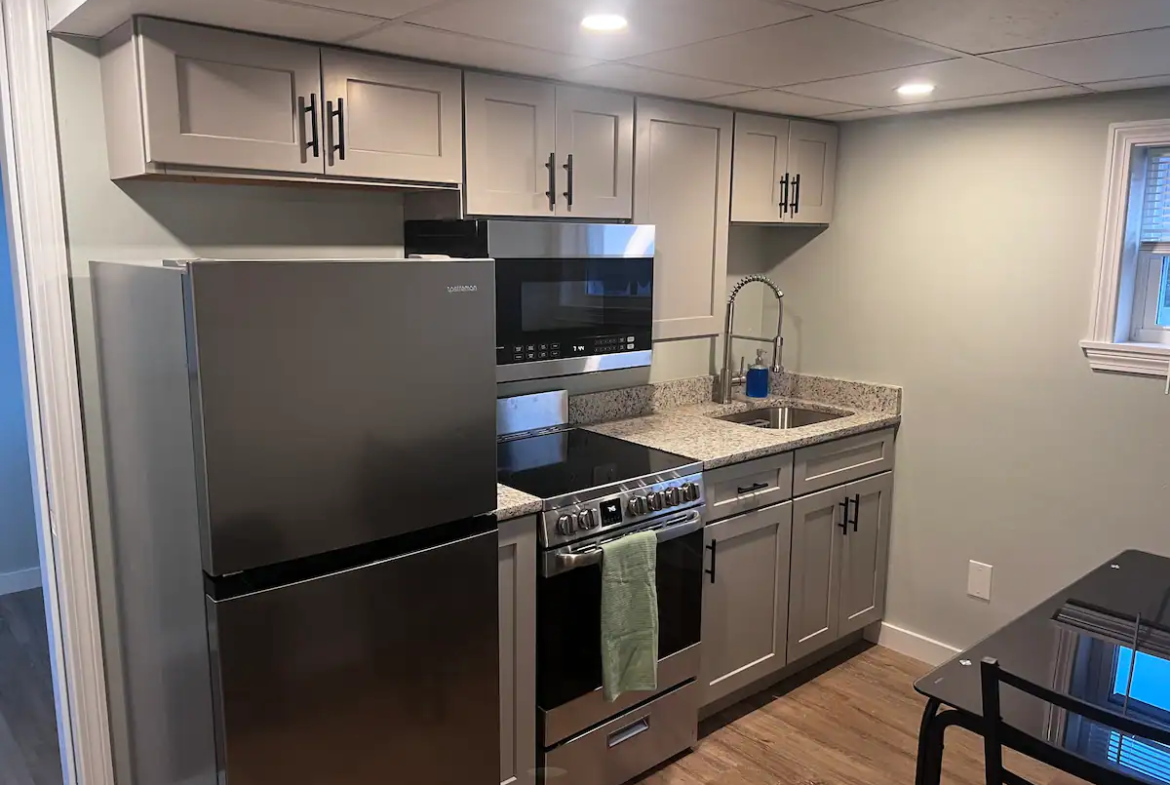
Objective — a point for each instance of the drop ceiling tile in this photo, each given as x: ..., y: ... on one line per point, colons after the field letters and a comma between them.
x: 622, y: 76
x: 263, y: 16
x: 411, y: 40
x: 819, y: 47
x: 993, y: 100
x: 1140, y: 83
x: 953, y: 79
x: 385, y: 9
x: 779, y: 102
x: 858, y: 114
x: 979, y: 26
x: 1110, y: 58
x: 555, y: 25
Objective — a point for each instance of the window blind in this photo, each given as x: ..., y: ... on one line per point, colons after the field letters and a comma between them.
x: 1148, y: 759
x: 1156, y: 206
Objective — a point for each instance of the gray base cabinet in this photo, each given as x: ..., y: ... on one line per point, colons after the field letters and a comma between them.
x: 839, y: 554
x: 745, y: 599
x: 517, y: 565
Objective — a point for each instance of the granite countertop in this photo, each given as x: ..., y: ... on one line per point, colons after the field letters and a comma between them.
x: 693, y: 432
x: 511, y: 503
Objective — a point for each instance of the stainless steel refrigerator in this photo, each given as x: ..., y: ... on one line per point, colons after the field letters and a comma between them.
x: 302, y: 461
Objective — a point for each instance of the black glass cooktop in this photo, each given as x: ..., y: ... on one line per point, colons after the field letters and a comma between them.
x: 557, y: 464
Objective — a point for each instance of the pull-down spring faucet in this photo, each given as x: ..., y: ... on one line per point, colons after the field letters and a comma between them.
x: 726, y: 379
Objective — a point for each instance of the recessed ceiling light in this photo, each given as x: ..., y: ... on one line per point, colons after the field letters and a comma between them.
x: 916, y: 88
x: 604, y: 23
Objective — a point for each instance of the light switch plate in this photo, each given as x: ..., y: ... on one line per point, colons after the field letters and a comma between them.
x: 979, y: 580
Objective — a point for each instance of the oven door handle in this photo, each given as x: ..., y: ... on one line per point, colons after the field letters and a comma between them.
x: 575, y: 556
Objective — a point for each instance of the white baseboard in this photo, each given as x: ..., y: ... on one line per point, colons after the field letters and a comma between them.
x: 911, y: 644
x: 20, y: 580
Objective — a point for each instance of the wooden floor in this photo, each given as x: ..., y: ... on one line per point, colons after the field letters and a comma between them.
x: 852, y: 721
x: 28, y: 724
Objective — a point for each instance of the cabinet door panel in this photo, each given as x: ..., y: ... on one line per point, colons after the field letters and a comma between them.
x: 596, y: 127
x: 760, y: 160
x: 517, y: 567
x: 220, y: 99
x: 812, y: 155
x: 865, y: 553
x: 682, y: 185
x: 511, y: 132
x: 814, y: 586
x: 745, y: 606
x: 403, y: 120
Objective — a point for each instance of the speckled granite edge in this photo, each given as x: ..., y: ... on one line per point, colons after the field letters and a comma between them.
x: 638, y: 401
x: 862, y: 396
x: 511, y: 503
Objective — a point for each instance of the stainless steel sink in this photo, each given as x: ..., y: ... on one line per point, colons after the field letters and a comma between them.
x: 780, y: 417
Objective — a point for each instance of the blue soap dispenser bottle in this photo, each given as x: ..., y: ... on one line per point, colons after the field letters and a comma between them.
x: 757, y: 377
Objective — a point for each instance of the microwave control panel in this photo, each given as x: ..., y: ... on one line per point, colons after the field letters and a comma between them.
x: 539, y: 350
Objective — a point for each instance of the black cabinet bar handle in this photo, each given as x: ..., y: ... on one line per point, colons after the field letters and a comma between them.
x: 551, y: 193
x: 314, y: 140
x: 784, y: 194
x: 711, y: 571
x: 755, y: 486
x: 844, y: 524
x: 339, y: 113
x: 856, y: 509
x: 795, y: 194
x: 569, y: 168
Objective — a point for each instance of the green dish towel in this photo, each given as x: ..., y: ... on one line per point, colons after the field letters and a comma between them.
x: 629, y: 614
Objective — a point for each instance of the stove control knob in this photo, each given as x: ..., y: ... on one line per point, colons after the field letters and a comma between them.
x: 564, y: 525
x: 672, y: 497
x: 656, y: 501
x: 637, y: 505
x: 586, y: 520
x: 693, y: 491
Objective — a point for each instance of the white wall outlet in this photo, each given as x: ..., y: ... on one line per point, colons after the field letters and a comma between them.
x: 979, y: 580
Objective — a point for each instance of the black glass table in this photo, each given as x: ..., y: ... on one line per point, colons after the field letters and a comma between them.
x: 1080, y: 642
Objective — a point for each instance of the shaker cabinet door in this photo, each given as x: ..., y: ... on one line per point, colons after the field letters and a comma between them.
x: 865, y: 552
x: 814, y: 588
x: 517, y: 585
x: 511, y: 144
x: 392, y: 119
x: 760, y: 164
x: 745, y: 599
x: 812, y: 167
x: 220, y: 99
x: 595, y: 153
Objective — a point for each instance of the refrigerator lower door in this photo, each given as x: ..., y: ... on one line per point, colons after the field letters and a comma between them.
x: 378, y: 674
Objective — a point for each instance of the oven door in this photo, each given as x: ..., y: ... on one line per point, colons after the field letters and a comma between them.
x: 557, y: 316
x: 568, y: 636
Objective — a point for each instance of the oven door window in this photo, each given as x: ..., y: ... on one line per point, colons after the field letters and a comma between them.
x: 567, y: 300
x: 569, y: 619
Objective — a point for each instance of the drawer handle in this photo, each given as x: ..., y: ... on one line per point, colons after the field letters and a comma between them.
x: 755, y: 486
x: 628, y: 732
x: 711, y: 571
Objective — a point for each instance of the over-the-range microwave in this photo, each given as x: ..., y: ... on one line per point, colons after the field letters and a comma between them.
x: 570, y: 297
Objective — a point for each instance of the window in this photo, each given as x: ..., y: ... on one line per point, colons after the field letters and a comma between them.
x: 1151, y: 306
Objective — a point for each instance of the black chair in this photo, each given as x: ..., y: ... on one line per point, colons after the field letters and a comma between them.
x: 998, y: 734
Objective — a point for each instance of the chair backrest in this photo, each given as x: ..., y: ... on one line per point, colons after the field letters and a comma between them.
x: 997, y: 734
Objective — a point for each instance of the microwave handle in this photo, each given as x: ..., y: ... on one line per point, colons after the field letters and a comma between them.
x: 567, y: 559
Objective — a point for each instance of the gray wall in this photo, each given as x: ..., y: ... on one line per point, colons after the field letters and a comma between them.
x: 960, y: 265
x: 18, y: 523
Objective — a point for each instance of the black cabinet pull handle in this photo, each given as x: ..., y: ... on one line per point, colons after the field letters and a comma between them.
x: 551, y: 193
x: 856, y: 509
x: 569, y: 168
x: 784, y: 194
x: 711, y: 571
x: 844, y: 524
x: 314, y: 140
x: 339, y: 113
x: 755, y: 486
x: 795, y: 194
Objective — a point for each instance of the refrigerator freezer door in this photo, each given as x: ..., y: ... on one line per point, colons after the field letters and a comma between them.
x: 339, y: 402
x: 381, y: 674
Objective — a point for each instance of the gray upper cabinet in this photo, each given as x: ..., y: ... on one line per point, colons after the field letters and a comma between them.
x: 517, y: 567
x: 814, y: 588
x: 392, y: 119
x: 865, y: 553
x: 536, y: 149
x: 595, y: 149
x: 219, y: 99
x: 511, y: 146
x: 745, y: 599
x: 784, y: 171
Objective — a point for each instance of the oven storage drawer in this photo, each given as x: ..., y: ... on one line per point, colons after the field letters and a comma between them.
x: 732, y: 490
x: 630, y: 743
x: 844, y: 460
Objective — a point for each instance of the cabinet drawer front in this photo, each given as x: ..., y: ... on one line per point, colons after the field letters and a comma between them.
x: 732, y: 490
x: 835, y: 463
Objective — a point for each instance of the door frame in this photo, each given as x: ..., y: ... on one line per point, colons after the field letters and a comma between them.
x: 40, y: 262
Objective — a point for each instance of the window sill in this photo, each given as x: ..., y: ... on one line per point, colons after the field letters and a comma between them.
x: 1144, y: 359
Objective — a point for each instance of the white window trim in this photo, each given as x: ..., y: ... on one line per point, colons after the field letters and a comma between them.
x: 1108, y: 347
